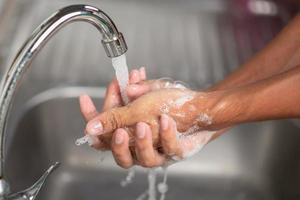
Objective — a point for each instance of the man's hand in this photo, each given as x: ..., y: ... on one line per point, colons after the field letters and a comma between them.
x: 150, y: 137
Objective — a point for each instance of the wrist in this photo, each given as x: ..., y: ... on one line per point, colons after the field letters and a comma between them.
x: 221, y: 109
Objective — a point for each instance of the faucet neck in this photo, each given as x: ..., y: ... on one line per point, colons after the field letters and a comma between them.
x: 112, y: 41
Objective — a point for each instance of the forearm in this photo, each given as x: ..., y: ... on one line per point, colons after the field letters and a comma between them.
x: 277, y: 97
x: 282, y: 54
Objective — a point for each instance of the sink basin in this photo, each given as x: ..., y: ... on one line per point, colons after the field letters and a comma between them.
x: 252, y: 161
x: 258, y: 161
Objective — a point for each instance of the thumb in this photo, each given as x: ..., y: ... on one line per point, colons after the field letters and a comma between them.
x: 108, y: 121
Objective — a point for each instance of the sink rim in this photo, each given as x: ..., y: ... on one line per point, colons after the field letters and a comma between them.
x: 63, y: 93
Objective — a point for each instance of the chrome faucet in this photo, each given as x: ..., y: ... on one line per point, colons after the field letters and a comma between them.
x: 112, y: 41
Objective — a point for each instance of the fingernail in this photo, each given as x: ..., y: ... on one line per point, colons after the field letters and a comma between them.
x: 94, y: 128
x: 119, y: 137
x: 141, y: 130
x: 164, y: 122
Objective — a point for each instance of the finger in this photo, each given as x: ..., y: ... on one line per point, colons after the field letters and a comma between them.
x: 168, y: 136
x: 134, y: 90
x: 112, y: 96
x: 89, y: 111
x: 120, y: 148
x: 98, y: 144
x: 109, y: 121
x: 134, y: 76
x: 87, y: 107
x: 143, y: 75
x: 146, y: 155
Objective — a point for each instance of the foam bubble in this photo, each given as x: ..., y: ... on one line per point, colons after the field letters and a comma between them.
x: 182, y: 100
x: 90, y: 140
x: 194, y: 141
x: 205, y: 118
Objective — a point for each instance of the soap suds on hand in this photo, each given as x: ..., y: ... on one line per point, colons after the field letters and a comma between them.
x: 205, y: 119
x: 165, y: 108
x: 90, y: 140
x: 182, y: 100
x: 193, y: 141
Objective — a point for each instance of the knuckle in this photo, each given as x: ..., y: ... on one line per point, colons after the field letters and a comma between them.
x: 115, y: 119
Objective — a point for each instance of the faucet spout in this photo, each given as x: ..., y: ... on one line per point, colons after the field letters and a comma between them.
x: 112, y: 41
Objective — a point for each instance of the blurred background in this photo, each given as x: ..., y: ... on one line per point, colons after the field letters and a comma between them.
x: 195, y: 41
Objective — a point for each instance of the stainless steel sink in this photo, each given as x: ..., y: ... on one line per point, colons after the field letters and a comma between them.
x: 252, y: 161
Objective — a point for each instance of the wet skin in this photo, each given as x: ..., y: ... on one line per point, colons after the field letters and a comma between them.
x: 264, y: 88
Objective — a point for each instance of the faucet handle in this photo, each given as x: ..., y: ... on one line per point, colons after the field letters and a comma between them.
x: 29, y: 193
